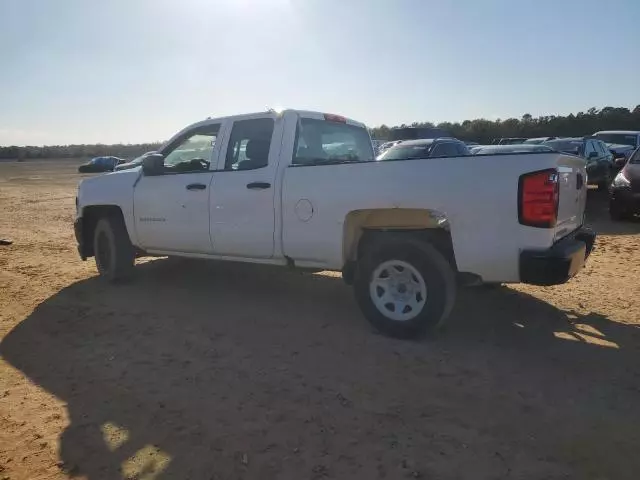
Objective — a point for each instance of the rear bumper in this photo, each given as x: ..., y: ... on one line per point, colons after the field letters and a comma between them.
x: 560, y: 262
x: 78, y: 229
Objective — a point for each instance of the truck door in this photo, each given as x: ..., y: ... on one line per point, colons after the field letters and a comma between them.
x: 245, y: 188
x: 172, y: 210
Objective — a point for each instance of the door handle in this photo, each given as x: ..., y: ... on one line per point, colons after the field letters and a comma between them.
x: 196, y: 186
x: 258, y: 185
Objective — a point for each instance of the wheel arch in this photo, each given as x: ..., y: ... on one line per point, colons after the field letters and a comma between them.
x: 364, y: 226
x: 90, y: 216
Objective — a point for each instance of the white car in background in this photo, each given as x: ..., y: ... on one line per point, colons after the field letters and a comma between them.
x: 387, y: 145
x: 509, y: 149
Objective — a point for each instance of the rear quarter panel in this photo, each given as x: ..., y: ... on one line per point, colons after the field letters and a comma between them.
x: 477, y: 194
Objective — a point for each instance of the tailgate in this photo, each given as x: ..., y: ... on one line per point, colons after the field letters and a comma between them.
x: 572, y: 185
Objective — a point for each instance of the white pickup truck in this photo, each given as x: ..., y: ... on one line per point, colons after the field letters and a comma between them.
x: 302, y: 189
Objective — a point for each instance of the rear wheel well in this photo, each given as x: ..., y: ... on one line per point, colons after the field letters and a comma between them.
x: 90, y: 217
x: 439, y: 238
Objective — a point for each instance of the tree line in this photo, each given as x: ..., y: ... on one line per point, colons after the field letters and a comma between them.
x: 479, y: 130
x: 76, y: 151
x: 484, y: 131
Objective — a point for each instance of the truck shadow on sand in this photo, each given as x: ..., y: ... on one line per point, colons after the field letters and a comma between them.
x: 224, y: 371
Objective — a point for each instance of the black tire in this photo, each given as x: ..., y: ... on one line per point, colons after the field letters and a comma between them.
x: 113, y: 252
x: 435, y: 270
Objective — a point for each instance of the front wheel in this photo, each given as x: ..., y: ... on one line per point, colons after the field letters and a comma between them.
x: 114, y: 254
x: 404, y: 287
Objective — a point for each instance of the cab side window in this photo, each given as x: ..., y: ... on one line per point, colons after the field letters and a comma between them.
x: 249, y: 144
x: 192, y: 151
x: 590, y: 148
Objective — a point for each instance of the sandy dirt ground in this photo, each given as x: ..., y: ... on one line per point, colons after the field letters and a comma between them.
x: 219, y: 371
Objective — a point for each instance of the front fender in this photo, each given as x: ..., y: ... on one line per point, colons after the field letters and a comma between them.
x: 112, y: 189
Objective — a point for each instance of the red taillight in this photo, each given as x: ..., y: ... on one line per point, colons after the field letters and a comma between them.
x: 538, y: 197
x: 330, y: 117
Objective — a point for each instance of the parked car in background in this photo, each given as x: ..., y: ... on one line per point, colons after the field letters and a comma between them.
x: 625, y: 190
x: 136, y: 162
x: 508, y: 141
x: 387, y: 145
x: 506, y: 149
x: 538, y: 140
x: 100, y: 164
x: 474, y: 148
x: 622, y: 143
x: 598, y: 157
x: 425, y: 148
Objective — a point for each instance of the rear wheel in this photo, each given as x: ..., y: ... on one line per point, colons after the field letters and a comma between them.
x: 112, y: 249
x: 404, y: 287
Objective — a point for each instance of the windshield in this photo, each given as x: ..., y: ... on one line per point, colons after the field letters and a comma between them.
x: 635, y: 157
x: 619, y: 138
x: 534, y: 141
x: 407, y: 152
x: 567, y: 146
x: 322, y: 141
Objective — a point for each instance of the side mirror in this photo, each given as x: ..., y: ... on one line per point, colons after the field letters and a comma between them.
x: 153, y: 165
x: 593, y: 155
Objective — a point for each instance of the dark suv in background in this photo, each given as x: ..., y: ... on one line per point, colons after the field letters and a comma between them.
x: 598, y: 157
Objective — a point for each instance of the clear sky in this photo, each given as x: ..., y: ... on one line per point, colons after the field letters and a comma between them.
x: 84, y: 71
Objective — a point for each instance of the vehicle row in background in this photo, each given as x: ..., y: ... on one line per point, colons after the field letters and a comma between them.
x: 516, y: 148
x: 598, y: 157
x: 425, y: 148
x: 625, y: 189
x: 622, y: 143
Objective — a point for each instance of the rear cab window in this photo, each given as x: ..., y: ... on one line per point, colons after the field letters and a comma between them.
x: 330, y: 141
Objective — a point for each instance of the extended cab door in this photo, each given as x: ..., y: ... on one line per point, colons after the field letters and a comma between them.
x: 172, y: 210
x: 245, y: 188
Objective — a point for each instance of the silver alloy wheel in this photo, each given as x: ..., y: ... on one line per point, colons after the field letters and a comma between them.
x: 398, y: 290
